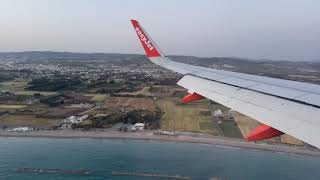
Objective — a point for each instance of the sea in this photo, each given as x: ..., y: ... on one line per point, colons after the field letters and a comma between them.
x: 103, y: 157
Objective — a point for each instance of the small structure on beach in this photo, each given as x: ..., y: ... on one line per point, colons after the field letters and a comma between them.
x: 166, y: 133
x: 21, y: 129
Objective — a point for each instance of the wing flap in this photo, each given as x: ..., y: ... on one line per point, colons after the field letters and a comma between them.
x: 296, y: 91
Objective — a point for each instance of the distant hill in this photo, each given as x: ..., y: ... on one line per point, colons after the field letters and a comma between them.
x: 302, y: 71
x: 71, y: 56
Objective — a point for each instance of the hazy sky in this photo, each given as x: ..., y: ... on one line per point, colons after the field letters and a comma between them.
x: 274, y: 29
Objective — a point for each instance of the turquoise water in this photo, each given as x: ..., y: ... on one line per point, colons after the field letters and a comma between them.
x: 186, y: 159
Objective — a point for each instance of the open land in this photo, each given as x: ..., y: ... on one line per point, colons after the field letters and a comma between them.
x: 27, y: 120
x: 193, y: 117
x: 44, y: 90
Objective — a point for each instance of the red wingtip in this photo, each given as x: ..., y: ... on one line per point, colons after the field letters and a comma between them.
x: 145, y: 40
x: 134, y: 21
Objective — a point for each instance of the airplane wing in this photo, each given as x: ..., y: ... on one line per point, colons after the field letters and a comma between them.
x: 283, y: 106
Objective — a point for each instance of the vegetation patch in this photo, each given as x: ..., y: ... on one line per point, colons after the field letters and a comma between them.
x: 207, y: 126
x: 230, y: 129
x: 185, y: 117
x: 97, y: 97
x: 53, y: 84
x: 12, y: 106
x: 29, y: 93
x: 14, y: 85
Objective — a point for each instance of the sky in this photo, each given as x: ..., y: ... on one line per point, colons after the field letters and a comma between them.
x: 270, y: 29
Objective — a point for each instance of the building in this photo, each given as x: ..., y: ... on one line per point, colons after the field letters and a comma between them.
x: 76, y: 119
x: 137, y: 127
x: 218, y: 113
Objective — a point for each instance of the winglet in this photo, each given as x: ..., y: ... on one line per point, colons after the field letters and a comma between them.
x: 149, y: 46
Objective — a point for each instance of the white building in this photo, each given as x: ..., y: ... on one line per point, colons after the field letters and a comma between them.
x: 138, y: 127
x: 218, y: 113
x: 75, y: 119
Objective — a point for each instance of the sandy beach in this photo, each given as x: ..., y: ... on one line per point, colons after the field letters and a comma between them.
x: 148, y: 135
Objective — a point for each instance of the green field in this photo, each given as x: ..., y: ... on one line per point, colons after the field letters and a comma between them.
x: 18, y: 85
x: 186, y: 117
x: 230, y: 129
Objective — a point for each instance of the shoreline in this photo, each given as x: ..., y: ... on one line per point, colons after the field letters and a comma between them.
x: 148, y: 135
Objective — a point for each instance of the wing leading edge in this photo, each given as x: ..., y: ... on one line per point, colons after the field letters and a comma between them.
x: 289, y: 106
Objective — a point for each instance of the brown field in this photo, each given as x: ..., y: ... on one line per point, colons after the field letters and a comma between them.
x: 290, y: 140
x: 26, y: 120
x: 97, y: 97
x: 186, y: 117
x: 130, y: 102
x: 144, y: 91
x: 245, y: 124
x: 166, y: 91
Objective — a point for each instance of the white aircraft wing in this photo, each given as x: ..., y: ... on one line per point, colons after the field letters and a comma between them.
x: 285, y: 106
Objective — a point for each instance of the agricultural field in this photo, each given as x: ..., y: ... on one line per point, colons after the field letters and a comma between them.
x: 61, y: 112
x: 30, y: 93
x: 18, y: 86
x: 97, y: 97
x: 193, y: 117
x: 144, y: 91
x: 27, y: 120
x: 130, y: 103
x: 12, y: 106
x: 167, y: 91
x: 231, y: 129
x: 14, y: 85
x: 245, y: 124
x: 287, y: 139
